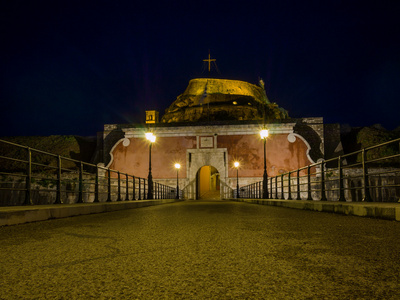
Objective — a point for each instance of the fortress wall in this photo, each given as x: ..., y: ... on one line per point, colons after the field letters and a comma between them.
x: 248, y: 149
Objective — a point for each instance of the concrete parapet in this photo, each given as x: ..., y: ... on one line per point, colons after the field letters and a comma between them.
x: 387, y: 211
x: 24, y: 214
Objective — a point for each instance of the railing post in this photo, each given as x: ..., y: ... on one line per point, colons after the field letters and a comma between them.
x: 109, y: 186
x: 276, y: 187
x: 28, y: 183
x: 323, y: 194
x: 282, y: 194
x: 119, y: 187
x: 144, y: 189
x: 58, y: 195
x: 309, y: 197
x: 126, y: 187
x: 133, y: 188
x: 341, y: 186
x: 270, y: 188
x: 367, y: 195
x: 96, y: 186
x: 298, y: 197
x: 140, y: 193
x: 289, y: 187
x: 80, y: 195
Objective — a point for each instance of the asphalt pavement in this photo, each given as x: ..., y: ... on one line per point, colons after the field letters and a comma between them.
x: 202, y: 250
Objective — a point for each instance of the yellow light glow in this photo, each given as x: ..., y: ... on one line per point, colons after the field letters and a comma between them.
x: 150, y: 136
x: 236, y: 164
x: 264, y: 133
x: 177, y: 166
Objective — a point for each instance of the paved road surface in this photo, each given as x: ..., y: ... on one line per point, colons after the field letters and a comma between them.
x: 202, y: 250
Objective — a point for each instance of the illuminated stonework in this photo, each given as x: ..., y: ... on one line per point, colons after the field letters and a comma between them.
x: 152, y: 116
x: 208, y: 99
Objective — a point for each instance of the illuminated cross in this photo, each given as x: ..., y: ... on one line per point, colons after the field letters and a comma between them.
x: 209, y: 60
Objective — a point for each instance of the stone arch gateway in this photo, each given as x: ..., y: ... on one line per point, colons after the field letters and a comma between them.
x: 208, y: 183
x: 198, y: 158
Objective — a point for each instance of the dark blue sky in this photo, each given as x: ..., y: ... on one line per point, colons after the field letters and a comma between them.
x: 69, y: 67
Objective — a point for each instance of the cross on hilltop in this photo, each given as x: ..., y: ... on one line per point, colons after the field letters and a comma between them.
x: 209, y: 61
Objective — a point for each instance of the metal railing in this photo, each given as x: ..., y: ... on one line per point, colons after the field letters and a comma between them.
x: 30, y: 176
x: 371, y: 174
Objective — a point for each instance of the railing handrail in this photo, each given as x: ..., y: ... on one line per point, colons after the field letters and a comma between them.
x: 161, y: 189
x: 286, y: 177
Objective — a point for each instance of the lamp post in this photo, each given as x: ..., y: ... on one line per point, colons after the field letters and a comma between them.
x: 264, y: 135
x: 236, y: 164
x: 177, y: 167
x: 151, y: 138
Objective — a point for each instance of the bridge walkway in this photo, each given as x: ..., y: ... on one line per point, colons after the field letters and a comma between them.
x: 202, y: 250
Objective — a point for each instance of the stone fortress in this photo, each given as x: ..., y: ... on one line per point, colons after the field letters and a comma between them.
x: 212, y: 124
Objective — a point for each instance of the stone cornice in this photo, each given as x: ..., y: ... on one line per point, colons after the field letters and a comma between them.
x: 242, y: 129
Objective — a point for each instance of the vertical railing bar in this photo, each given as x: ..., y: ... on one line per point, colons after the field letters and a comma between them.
x: 96, y: 186
x: 298, y: 197
x: 140, y: 193
x: 270, y: 188
x: 323, y: 190
x: 126, y: 187
x: 109, y: 185
x: 28, y: 183
x: 80, y: 195
x: 341, y: 186
x: 119, y: 186
x: 367, y: 195
x: 58, y: 196
x: 133, y: 188
x: 309, y: 197
x: 145, y: 195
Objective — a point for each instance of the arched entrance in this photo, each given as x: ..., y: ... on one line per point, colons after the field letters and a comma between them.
x: 208, y: 183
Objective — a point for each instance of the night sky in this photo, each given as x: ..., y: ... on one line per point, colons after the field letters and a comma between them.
x: 70, y: 67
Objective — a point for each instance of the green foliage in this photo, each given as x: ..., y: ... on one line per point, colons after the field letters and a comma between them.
x: 74, y: 147
x: 264, y: 93
x: 375, y: 135
x: 46, y: 183
x: 274, y: 112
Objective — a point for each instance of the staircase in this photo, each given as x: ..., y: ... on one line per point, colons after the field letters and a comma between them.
x: 211, y: 195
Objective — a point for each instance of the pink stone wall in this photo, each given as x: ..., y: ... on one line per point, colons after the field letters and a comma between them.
x: 165, y: 152
x: 282, y: 156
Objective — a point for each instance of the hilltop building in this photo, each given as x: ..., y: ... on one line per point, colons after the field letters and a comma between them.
x: 212, y: 124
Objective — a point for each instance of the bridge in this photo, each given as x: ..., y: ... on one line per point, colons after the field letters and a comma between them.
x: 202, y: 250
x: 107, y: 239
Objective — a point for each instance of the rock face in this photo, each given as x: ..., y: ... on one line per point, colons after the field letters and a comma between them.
x: 207, y: 99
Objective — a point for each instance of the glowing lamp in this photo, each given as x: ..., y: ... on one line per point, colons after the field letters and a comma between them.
x: 264, y: 133
x: 150, y: 137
